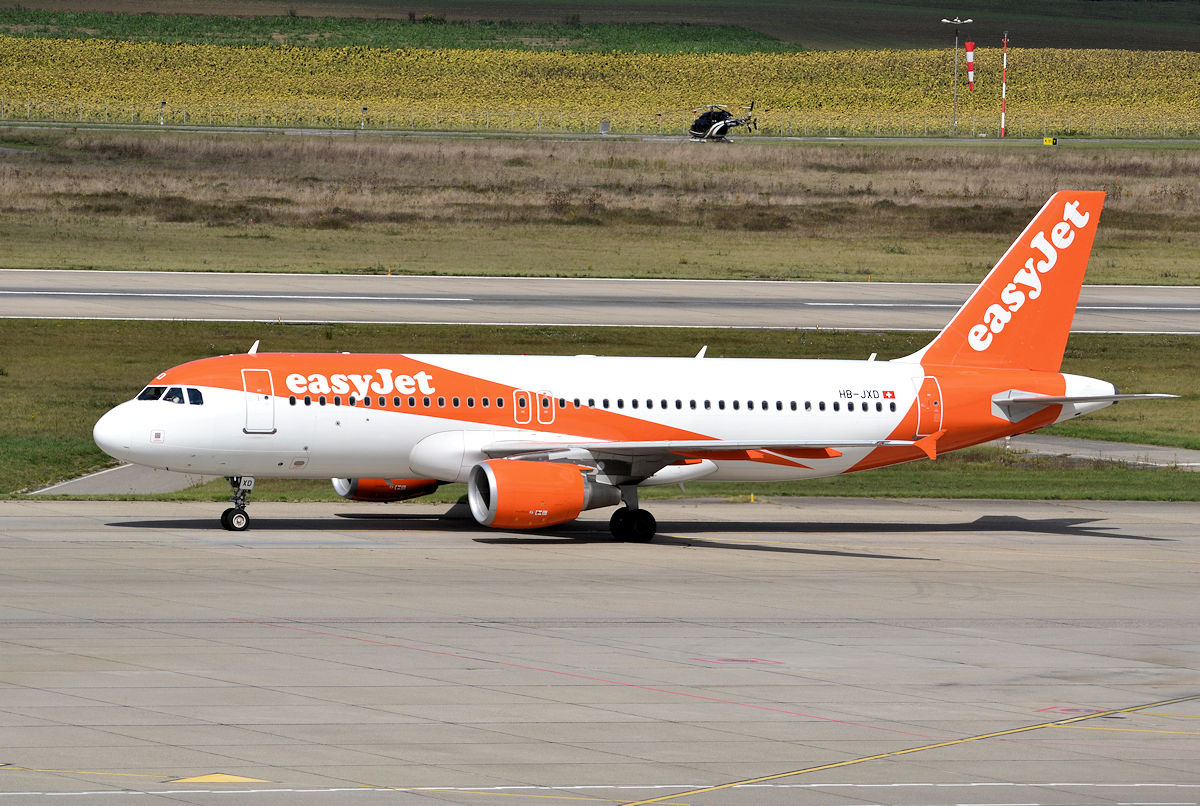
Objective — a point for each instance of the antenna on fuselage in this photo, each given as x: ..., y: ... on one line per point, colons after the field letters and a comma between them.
x: 703, y: 350
x: 253, y: 347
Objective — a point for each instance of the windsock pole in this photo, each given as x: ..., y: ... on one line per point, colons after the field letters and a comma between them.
x: 1004, y: 86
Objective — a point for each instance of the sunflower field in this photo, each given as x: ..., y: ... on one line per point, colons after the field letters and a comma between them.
x: 1102, y: 92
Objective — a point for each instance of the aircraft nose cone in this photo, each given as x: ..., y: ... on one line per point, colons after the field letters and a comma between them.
x: 112, y: 433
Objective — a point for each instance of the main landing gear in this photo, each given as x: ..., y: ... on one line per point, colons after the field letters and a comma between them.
x: 630, y: 524
x: 235, y: 518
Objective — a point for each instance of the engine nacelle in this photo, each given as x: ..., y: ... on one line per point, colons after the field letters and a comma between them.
x: 384, y: 489
x: 517, y: 494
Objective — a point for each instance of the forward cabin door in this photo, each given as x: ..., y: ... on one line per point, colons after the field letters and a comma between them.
x: 929, y: 407
x: 260, y: 401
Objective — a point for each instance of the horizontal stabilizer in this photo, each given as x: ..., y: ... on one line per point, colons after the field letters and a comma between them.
x: 1048, y: 400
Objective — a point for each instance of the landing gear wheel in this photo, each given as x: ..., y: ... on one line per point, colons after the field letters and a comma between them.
x: 642, y: 526
x: 632, y: 525
x: 235, y: 519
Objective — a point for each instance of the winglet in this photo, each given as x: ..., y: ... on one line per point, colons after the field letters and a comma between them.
x: 929, y: 444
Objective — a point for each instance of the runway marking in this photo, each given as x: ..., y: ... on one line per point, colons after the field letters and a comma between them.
x: 1133, y: 730
x: 232, y: 296
x: 625, y: 325
x: 79, y: 772
x: 572, y: 675
x: 895, y: 753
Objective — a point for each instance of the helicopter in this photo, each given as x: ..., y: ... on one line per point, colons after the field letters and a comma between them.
x: 716, y: 120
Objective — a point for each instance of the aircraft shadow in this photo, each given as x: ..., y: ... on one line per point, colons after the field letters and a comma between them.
x: 675, y: 533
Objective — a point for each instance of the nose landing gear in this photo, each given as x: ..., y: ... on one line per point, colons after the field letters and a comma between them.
x: 235, y: 519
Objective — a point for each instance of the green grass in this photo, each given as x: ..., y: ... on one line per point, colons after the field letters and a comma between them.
x: 57, y: 377
x: 666, y: 26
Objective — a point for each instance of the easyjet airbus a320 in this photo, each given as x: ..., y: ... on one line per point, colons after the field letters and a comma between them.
x: 539, y: 439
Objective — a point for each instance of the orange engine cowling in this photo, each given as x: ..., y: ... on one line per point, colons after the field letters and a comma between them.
x: 384, y: 489
x: 516, y: 494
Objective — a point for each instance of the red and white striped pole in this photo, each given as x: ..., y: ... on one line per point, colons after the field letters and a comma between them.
x: 970, y: 46
x: 1004, y: 86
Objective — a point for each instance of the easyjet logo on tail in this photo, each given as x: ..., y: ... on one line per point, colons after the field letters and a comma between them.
x: 1027, y: 282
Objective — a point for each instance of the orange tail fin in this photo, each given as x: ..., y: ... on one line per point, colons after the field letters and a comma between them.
x: 1020, y: 315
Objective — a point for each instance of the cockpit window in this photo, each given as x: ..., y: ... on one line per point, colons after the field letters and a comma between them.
x: 173, y: 395
x: 151, y: 393
x: 195, y: 398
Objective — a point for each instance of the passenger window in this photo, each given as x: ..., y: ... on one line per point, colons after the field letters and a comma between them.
x: 441, y: 402
x: 292, y: 400
x: 721, y: 405
x: 808, y: 405
x: 396, y: 401
x: 454, y: 401
x: 707, y: 405
x: 382, y: 402
x: 470, y: 402
x: 736, y: 405
x: 425, y: 402
x: 337, y: 400
x: 633, y: 403
x: 821, y: 405
x: 485, y: 402
x: 499, y: 402
x: 412, y: 402
x: 308, y: 400
x: 351, y: 400
x: 620, y: 402
x: 151, y: 393
x: 321, y: 400
x: 173, y: 395
x: 849, y: 406
x: 878, y: 407
x: 366, y: 401
x: 836, y: 406
x: 195, y: 398
x: 892, y: 405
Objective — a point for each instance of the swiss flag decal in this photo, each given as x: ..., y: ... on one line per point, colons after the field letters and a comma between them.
x: 889, y: 395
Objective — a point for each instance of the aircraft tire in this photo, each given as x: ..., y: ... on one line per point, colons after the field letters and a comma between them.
x: 642, y: 526
x: 235, y: 519
x: 632, y: 525
x: 618, y: 524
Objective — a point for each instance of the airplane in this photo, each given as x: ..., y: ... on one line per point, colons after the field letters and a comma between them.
x: 540, y: 439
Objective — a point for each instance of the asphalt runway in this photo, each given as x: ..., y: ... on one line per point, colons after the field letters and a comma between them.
x: 789, y: 651
x: 552, y: 301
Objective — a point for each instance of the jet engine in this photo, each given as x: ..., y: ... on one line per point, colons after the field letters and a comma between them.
x: 517, y: 494
x: 384, y: 489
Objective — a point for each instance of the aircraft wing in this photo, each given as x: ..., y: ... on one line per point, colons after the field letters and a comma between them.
x: 665, y: 452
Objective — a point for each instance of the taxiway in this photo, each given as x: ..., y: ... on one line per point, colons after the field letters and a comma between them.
x: 790, y: 651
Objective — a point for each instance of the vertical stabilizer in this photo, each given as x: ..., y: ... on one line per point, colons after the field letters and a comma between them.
x: 1020, y: 315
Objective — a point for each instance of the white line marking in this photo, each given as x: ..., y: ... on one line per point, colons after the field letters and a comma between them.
x: 81, y: 478
x: 233, y: 295
x: 460, y: 323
